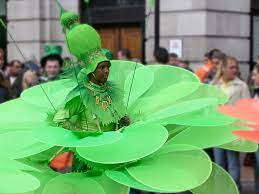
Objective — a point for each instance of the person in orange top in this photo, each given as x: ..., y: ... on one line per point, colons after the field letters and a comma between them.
x: 204, y: 72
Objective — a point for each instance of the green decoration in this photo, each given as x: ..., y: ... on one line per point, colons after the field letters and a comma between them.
x: 52, y: 50
x: 219, y: 182
x: 144, y: 128
x: 241, y: 145
x: 163, y: 171
x: 127, y: 149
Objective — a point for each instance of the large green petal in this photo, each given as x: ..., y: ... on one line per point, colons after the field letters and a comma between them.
x: 18, y: 112
x: 145, y: 106
x: 20, y: 144
x: 173, y: 169
x: 120, y: 70
x: 220, y: 182
x: 165, y: 115
x: 14, y: 180
x: 49, y: 95
x: 205, y: 117
x: 110, y: 186
x: 73, y: 183
x: 124, y: 178
x: 138, y: 141
x: 205, y: 137
x: 58, y: 136
x: 165, y: 76
x: 241, y: 145
x: 136, y: 84
x: 17, y: 182
x: 208, y: 91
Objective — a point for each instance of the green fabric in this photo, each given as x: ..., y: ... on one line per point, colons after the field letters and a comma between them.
x: 240, y: 145
x: 171, y: 117
x: 124, y: 178
x: 89, y: 106
x: 132, y: 146
x: 219, y: 182
x: 136, y: 84
x: 110, y: 186
x: 146, y: 106
x: 170, y: 170
x: 58, y: 136
x: 20, y: 144
x: 205, y: 137
x: 73, y: 183
x: 180, y: 109
x: 51, y: 96
x: 11, y: 172
x: 204, y: 117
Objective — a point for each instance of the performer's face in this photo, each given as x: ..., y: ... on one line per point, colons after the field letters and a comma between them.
x: 101, y: 73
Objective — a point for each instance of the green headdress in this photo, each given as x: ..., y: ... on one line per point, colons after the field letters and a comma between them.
x: 82, y: 40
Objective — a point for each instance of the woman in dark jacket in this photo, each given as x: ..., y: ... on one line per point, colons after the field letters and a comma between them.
x: 4, y: 89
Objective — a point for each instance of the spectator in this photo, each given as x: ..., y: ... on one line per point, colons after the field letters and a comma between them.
x: 1, y: 60
x: 255, y: 79
x: 124, y: 54
x: 3, y: 65
x: 51, y: 63
x: 227, y: 80
x: 185, y: 64
x: 4, y: 89
x: 15, y: 78
x: 29, y: 79
x: 173, y: 59
x: 161, y: 56
x: 207, y: 71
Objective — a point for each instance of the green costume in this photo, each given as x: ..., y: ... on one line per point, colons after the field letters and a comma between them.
x: 173, y: 117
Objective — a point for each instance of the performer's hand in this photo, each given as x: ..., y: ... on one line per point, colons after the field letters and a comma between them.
x: 125, y: 121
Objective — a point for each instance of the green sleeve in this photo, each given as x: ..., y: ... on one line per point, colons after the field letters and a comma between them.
x: 72, y: 108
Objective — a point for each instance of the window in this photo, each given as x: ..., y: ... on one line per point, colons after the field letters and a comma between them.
x: 116, y: 3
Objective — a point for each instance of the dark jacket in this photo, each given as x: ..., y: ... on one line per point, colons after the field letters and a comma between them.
x: 4, y: 95
x: 16, y: 87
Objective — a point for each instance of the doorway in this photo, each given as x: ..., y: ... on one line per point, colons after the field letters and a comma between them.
x: 115, y: 38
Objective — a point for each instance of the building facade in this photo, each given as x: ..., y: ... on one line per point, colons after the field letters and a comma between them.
x: 200, y: 25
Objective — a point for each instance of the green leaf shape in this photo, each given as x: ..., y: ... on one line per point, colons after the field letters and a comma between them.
x: 73, y: 183
x: 110, y: 186
x: 165, y: 76
x: 124, y: 178
x: 49, y: 94
x: 11, y: 171
x: 13, y: 165
x: 136, y: 84
x: 205, y: 117
x: 58, y: 136
x: 20, y: 144
x: 205, y: 137
x: 169, y: 169
x: 164, y: 116
x: 207, y: 91
x: 139, y: 140
x: 241, y: 145
x: 219, y: 182
x: 120, y: 70
x: 17, y: 182
x: 145, y: 106
x: 16, y: 114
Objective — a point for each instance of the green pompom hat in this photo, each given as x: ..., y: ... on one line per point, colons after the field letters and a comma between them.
x: 83, y: 41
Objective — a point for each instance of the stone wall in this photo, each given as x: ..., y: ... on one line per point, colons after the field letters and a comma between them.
x: 34, y: 23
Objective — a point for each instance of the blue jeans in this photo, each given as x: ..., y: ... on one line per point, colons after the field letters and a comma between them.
x: 229, y: 160
x: 257, y: 173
